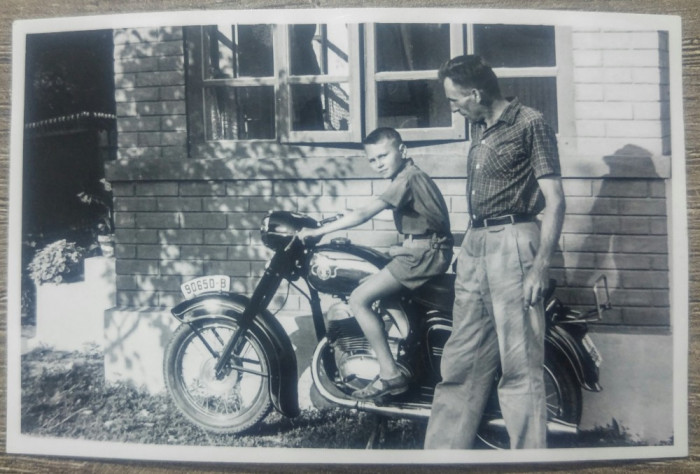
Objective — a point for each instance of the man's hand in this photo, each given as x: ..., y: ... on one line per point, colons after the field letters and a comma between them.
x: 537, y: 279
x: 535, y: 285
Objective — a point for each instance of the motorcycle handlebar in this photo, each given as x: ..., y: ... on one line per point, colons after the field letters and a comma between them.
x: 328, y: 220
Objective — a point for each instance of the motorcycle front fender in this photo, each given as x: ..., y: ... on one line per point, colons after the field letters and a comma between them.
x: 276, y: 342
x: 560, y: 342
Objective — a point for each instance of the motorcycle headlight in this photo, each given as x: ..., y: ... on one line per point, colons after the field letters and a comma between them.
x: 278, y: 228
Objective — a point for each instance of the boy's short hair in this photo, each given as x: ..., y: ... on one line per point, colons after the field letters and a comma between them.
x: 471, y: 71
x: 383, y: 133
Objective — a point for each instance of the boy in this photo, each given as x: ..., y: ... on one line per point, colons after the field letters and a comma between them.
x: 420, y: 214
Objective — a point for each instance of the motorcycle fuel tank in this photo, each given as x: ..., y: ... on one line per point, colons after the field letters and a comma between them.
x: 337, y: 271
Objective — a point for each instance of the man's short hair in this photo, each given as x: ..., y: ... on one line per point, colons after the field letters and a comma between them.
x: 471, y: 71
x: 383, y: 133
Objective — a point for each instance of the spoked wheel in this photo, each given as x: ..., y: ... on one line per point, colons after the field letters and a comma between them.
x: 228, y: 404
x: 563, y: 398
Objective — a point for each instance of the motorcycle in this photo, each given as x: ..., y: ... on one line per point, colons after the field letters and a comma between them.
x: 230, y: 360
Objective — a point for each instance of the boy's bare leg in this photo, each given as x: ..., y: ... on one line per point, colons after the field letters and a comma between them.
x: 376, y: 287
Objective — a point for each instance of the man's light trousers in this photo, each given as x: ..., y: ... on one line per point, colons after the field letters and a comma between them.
x: 492, y: 325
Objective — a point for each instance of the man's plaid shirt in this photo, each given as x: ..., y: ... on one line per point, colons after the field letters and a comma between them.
x: 505, y: 162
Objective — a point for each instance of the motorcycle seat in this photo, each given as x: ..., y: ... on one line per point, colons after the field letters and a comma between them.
x: 437, y: 293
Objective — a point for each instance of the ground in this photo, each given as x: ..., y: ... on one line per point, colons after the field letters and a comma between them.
x: 64, y: 395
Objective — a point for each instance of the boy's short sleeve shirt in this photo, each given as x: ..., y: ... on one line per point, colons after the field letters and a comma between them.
x: 418, y: 205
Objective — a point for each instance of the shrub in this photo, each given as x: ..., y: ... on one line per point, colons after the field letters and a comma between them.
x: 58, y: 261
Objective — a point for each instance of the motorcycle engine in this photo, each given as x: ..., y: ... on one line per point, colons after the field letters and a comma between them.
x: 354, y: 357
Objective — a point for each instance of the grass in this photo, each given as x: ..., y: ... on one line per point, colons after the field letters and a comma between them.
x: 65, y: 395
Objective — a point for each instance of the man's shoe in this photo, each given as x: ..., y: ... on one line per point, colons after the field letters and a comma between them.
x: 379, y: 388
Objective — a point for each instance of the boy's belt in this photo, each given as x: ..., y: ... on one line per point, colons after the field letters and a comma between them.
x: 436, y: 241
x: 502, y: 220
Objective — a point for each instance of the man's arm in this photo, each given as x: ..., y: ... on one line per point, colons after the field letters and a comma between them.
x: 552, y: 220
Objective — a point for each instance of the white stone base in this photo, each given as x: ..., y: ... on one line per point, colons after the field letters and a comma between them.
x: 136, y: 341
x: 70, y: 315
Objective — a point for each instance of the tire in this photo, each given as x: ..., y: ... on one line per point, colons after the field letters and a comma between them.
x: 563, y: 399
x: 231, y: 405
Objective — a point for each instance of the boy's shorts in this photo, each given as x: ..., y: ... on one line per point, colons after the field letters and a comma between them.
x: 418, y: 260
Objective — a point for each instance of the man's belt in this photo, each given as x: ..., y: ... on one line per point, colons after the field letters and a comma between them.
x: 502, y: 220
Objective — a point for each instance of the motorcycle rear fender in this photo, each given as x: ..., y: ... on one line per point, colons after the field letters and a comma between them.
x: 560, y: 342
x: 283, y: 364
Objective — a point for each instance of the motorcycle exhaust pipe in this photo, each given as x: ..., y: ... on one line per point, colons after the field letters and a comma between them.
x: 555, y: 426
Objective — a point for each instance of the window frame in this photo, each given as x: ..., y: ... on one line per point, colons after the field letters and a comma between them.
x: 461, y: 42
x: 457, y: 131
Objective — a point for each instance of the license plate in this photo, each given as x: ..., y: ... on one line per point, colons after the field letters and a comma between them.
x: 592, y: 350
x: 205, y: 284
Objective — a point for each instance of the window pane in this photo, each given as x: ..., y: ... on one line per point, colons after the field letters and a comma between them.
x: 238, y: 51
x: 515, y: 45
x: 240, y: 113
x: 320, y: 106
x: 411, y: 47
x: 537, y: 92
x: 412, y: 104
x: 318, y: 49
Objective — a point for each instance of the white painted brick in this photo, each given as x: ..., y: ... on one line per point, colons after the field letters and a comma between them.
x: 585, y: 40
x: 632, y: 92
x: 609, y: 146
x: 637, y: 58
x: 634, y: 128
x: 603, y: 110
x: 650, y: 75
x: 349, y: 188
x: 586, y: 58
x: 458, y: 204
x: 451, y: 187
x: 577, y: 187
x: 590, y: 128
x: 616, y: 40
x: 587, y: 75
x: 647, y: 111
x: 617, y: 75
x: 322, y: 204
x: 628, y: 40
x: 588, y: 92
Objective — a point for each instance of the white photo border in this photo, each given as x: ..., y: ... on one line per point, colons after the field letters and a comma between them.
x: 678, y: 242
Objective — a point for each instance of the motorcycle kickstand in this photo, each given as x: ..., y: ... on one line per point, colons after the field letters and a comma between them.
x: 378, y: 435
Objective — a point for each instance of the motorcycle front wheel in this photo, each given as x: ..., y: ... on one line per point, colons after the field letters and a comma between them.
x: 563, y: 399
x: 228, y: 404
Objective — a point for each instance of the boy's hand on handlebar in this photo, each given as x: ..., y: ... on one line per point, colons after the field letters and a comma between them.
x: 306, y: 233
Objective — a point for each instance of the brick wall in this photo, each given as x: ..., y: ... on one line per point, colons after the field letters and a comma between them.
x: 149, y: 79
x: 184, y: 217
x: 169, y: 232
x: 621, y: 89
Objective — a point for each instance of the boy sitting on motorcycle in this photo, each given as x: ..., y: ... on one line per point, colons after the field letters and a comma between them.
x: 421, y: 215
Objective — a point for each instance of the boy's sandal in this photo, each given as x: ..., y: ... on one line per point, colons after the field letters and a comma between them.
x: 379, y: 387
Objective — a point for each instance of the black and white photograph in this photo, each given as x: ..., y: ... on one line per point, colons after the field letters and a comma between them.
x: 374, y: 236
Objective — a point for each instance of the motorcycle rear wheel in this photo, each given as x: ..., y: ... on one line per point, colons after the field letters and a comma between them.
x: 231, y: 404
x: 563, y: 399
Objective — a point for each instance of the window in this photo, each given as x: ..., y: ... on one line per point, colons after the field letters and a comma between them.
x: 524, y: 59
x: 288, y: 83
x: 330, y: 83
x: 402, y: 87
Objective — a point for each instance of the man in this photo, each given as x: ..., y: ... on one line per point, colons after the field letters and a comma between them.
x: 502, y: 269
